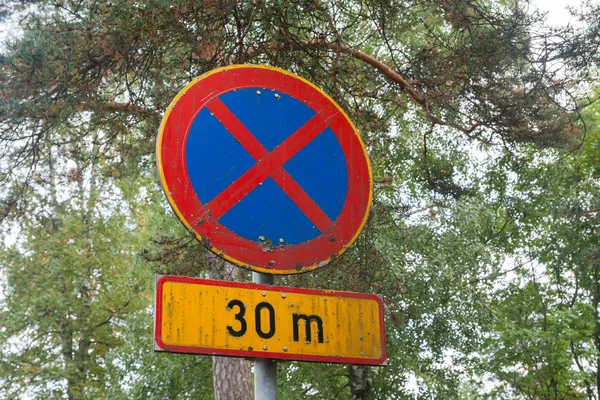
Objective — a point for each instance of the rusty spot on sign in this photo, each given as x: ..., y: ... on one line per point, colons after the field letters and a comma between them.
x: 267, y: 245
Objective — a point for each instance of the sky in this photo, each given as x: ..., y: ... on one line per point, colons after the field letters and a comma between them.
x: 557, y: 10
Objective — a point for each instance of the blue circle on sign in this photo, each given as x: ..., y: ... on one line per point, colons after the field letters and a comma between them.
x: 215, y: 160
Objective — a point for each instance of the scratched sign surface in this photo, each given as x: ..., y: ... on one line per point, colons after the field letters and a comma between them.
x: 265, y: 169
x: 249, y: 320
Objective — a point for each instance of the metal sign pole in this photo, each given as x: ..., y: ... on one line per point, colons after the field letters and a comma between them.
x: 265, y: 370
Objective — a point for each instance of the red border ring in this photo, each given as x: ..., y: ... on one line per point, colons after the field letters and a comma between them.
x: 300, y: 258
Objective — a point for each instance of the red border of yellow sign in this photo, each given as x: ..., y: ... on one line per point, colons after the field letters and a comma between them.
x: 266, y: 290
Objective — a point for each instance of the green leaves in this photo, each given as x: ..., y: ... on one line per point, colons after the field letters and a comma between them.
x: 483, y: 247
x: 70, y: 283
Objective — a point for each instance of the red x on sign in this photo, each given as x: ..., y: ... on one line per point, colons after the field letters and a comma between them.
x: 268, y: 165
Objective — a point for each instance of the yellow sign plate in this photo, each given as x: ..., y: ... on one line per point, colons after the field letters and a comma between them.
x: 250, y: 320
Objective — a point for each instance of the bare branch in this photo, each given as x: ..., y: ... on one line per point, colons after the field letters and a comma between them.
x: 379, y: 65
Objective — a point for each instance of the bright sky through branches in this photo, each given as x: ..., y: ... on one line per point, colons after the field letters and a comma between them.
x: 557, y: 10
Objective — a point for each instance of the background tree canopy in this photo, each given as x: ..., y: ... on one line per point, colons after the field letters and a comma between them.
x: 483, y: 240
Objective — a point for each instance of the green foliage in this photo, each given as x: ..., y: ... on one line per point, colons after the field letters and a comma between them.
x: 588, y: 160
x: 546, y: 344
x: 483, y: 246
x: 69, y: 283
x: 537, y: 347
x: 138, y: 373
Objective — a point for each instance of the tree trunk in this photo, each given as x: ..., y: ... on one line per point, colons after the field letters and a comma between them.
x: 360, y: 382
x: 232, y: 377
x: 74, y: 386
x: 66, y: 344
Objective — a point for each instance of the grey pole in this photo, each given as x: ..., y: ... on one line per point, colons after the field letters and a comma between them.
x: 265, y: 371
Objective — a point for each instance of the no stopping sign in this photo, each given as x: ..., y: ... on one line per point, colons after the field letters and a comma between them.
x: 265, y: 169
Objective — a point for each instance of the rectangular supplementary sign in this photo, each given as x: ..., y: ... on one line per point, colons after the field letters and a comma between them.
x: 260, y: 321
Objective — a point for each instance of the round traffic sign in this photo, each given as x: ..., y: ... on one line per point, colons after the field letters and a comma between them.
x: 265, y: 169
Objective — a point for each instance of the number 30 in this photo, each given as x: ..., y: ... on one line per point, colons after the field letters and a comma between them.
x: 239, y: 316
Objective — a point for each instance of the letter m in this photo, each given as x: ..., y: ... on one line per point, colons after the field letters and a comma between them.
x: 307, y: 321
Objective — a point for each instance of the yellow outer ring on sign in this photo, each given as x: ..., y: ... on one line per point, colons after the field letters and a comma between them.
x: 187, y: 225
